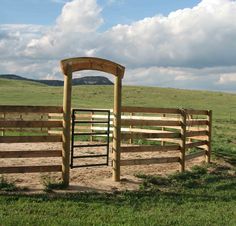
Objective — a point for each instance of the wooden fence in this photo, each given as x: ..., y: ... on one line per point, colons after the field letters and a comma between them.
x: 29, y: 124
x: 182, y: 131
x: 183, y: 134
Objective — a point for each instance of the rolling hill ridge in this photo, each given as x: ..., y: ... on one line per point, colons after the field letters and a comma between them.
x: 88, y: 80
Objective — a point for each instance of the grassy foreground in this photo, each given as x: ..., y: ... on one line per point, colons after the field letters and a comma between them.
x: 193, y: 198
x: 204, y: 196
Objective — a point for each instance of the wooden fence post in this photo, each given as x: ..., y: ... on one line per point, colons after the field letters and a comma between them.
x: 208, y: 152
x: 131, y: 139
x: 117, y: 129
x: 183, y: 140
x: 66, y: 127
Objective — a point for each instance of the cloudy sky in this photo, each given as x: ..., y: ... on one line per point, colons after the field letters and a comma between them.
x: 182, y: 44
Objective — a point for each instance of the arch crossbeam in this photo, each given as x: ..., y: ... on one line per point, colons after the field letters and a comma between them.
x: 92, y: 63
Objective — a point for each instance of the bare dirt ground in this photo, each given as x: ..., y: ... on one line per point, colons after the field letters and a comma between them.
x: 88, y: 178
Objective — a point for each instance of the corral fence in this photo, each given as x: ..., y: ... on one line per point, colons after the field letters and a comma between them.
x: 29, y: 124
x: 182, y: 134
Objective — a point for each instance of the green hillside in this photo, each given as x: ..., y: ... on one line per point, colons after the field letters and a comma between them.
x: 30, y: 93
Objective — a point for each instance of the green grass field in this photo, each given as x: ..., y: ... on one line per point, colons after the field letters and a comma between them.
x: 204, y: 196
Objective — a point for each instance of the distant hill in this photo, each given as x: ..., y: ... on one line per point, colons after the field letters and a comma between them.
x: 88, y: 80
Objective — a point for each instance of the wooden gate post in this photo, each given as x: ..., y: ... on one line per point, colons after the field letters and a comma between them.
x: 66, y: 127
x: 117, y: 129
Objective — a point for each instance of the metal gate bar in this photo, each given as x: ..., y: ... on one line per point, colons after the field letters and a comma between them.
x: 107, y: 133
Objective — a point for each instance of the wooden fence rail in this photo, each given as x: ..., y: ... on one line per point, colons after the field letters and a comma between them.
x: 185, y: 128
x: 30, y: 120
x: 178, y: 127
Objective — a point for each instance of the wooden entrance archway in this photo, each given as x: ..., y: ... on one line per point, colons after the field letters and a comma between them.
x: 71, y: 65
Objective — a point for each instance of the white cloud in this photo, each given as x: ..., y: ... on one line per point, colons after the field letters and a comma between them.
x: 199, y: 37
x: 189, y: 48
x: 73, y: 33
x: 227, y: 79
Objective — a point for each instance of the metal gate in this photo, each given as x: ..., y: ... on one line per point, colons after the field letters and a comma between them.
x: 91, y: 122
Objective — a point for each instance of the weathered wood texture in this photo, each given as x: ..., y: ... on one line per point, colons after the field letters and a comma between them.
x: 183, y: 141
x: 133, y: 122
x: 30, y: 169
x: 66, y: 125
x: 92, y: 63
x: 209, y: 138
x: 195, y: 155
x: 131, y: 162
x: 149, y: 148
x: 30, y: 154
x: 196, y: 144
x: 30, y: 124
x: 134, y: 135
x: 167, y: 125
x: 29, y: 139
x: 197, y: 133
x: 117, y: 129
x: 29, y: 120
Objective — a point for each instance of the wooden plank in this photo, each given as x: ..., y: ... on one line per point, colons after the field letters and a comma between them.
x: 134, y: 122
x: 197, y: 122
x: 102, y: 116
x: 209, y: 138
x: 25, y: 130
x: 82, y: 116
x: 95, y: 128
x: 54, y: 132
x: 29, y: 139
x: 153, y: 117
x: 196, y: 144
x: 30, y: 154
x: 30, y: 169
x: 196, y: 112
x: 150, y: 110
x: 175, y: 141
x: 195, y: 128
x: 200, y: 138
x: 117, y: 129
x: 138, y: 130
x: 31, y: 124
x: 32, y: 109
x: 183, y: 141
x: 196, y: 133
x: 149, y: 135
x: 149, y: 148
x: 131, y: 162
x: 195, y: 155
x: 66, y: 125
x: 92, y: 63
x: 59, y: 115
